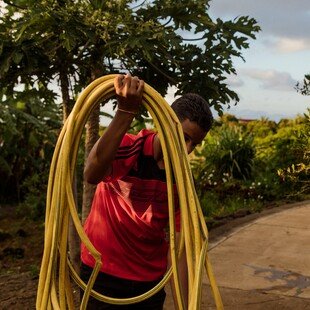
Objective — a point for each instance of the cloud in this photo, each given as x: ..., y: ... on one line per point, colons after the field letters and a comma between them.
x: 272, y: 79
x: 234, y: 81
x: 288, y: 45
x: 279, y: 18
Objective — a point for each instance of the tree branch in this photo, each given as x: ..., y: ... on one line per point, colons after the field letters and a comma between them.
x: 14, y: 5
x: 193, y: 39
x: 169, y: 78
x: 135, y: 7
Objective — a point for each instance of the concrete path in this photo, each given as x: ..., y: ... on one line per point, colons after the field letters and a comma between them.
x: 262, y: 261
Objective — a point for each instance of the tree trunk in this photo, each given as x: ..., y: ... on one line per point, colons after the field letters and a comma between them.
x: 92, y: 130
x: 64, y: 85
x: 92, y: 135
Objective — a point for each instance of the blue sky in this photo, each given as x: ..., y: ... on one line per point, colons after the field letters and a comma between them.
x: 275, y: 61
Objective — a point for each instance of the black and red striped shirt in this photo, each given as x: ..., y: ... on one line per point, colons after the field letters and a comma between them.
x: 129, y: 214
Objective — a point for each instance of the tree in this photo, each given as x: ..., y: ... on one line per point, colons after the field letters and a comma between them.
x: 304, y: 87
x: 66, y: 40
x: 73, y: 42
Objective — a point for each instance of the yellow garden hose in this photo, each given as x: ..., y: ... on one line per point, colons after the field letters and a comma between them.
x: 54, y: 289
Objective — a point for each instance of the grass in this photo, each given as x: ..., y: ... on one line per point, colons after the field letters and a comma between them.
x: 216, y: 208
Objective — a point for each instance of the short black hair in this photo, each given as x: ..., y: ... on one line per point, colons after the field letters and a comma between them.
x: 195, y: 108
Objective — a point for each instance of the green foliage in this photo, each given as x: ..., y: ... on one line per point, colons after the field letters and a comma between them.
x: 297, y: 172
x: 216, y: 205
x: 281, y: 147
x: 261, y: 128
x: 227, y: 154
x: 34, y: 188
x: 28, y: 129
x: 227, y: 119
x: 304, y: 87
x: 278, y: 156
x: 41, y: 40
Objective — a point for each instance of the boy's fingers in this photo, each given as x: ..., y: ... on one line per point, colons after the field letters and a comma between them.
x: 118, y: 81
x: 125, y: 83
x: 140, y: 88
x: 127, y: 80
x: 134, y: 83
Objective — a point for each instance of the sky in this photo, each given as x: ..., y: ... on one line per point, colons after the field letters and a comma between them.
x: 275, y: 61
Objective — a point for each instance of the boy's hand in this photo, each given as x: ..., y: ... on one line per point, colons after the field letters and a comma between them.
x: 129, y: 91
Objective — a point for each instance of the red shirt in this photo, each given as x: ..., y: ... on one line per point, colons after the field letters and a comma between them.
x: 129, y: 214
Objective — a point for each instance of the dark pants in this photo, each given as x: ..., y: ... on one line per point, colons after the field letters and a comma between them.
x: 122, y: 288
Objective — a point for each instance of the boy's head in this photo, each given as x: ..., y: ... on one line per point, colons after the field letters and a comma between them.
x: 194, y: 108
x: 195, y: 116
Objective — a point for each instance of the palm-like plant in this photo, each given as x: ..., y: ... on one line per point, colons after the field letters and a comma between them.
x: 229, y: 153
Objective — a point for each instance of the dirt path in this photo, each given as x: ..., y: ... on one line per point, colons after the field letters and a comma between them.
x: 21, y: 251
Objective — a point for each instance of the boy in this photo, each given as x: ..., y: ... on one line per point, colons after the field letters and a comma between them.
x: 129, y: 212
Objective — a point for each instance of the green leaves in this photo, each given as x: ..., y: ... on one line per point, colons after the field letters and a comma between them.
x: 17, y: 57
x: 304, y: 87
x: 231, y: 153
x: 28, y: 129
x: 296, y: 172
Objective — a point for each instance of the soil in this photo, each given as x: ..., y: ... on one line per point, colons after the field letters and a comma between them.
x: 21, y: 248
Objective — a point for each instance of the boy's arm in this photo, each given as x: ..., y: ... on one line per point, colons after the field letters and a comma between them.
x: 182, y: 267
x: 129, y: 91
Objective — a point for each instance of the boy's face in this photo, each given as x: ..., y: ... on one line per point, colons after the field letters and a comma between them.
x: 193, y: 134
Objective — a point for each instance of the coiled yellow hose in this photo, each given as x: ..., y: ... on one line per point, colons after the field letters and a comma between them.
x: 54, y: 288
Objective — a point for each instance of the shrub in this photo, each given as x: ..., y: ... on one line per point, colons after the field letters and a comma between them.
x: 243, y: 166
x: 28, y: 131
x: 228, y: 154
